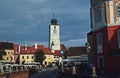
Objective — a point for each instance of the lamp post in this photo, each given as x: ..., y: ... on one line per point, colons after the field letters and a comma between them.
x: 88, y: 46
x: 49, y: 56
x: 61, y: 56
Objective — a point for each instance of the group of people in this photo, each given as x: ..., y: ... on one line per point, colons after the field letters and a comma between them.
x: 77, y: 68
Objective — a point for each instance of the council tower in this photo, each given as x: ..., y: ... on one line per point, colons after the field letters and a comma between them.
x: 54, y: 35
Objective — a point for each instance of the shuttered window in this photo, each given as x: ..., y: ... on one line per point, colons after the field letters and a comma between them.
x: 118, y: 10
x: 119, y: 38
x: 118, y: 13
x: 99, y: 42
x: 98, y: 17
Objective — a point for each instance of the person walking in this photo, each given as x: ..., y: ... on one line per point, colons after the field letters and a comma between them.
x: 74, y: 71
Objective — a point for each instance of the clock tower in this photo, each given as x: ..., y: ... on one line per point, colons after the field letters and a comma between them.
x: 54, y: 35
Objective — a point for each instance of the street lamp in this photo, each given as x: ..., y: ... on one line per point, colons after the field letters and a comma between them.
x: 88, y: 46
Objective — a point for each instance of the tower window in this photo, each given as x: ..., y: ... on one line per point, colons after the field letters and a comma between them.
x: 54, y: 27
x: 54, y: 31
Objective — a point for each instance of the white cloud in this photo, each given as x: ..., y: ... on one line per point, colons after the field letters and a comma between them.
x: 30, y: 43
x: 75, y: 42
x: 29, y: 16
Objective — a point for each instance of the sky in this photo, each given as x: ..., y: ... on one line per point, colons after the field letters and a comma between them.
x: 27, y: 21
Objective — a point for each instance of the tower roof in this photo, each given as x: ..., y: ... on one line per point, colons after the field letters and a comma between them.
x: 54, y: 21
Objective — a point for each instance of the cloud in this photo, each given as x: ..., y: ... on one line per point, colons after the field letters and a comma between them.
x: 28, y: 20
x: 75, y: 42
x: 29, y: 43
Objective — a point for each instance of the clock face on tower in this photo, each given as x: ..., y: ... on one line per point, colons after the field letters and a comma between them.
x: 54, y: 31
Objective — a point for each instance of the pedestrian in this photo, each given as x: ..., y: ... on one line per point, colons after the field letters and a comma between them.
x: 62, y: 68
x: 74, y: 71
x: 90, y: 68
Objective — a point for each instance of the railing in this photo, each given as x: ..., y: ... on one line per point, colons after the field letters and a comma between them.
x: 8, y: 68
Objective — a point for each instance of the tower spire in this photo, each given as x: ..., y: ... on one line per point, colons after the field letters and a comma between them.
x: 53, y: 15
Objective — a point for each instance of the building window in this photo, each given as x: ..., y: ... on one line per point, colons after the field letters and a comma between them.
x: 7, y: 58
x: 22, y: 57
x: 8, y: 52
x: 99, y: 42
x: 27, y: 57
x: 118, y: 13
x: 11, y: 58
x: 98, y: 17
x: 100, y: 62
x: 32, y: 57
x: 119, y: 38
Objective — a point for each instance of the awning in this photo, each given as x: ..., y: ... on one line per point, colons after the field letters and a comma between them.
x: 74, y: 60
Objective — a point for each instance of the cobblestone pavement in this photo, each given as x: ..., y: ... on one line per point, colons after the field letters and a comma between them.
x: 45, y: 73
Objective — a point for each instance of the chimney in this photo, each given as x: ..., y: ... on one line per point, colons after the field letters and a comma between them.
x: 36, y: 46
x: 19, y: 50
x: 25, y: 47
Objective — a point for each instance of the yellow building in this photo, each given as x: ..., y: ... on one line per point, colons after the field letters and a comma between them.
x: 49, y: 59
x: 9, y: 57
x: 28, y: 58
x: 9, y: 51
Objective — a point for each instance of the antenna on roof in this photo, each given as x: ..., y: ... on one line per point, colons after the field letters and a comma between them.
x: 53, y: 15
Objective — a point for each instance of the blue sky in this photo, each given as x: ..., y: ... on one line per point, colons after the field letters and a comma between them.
x: 27, y: 21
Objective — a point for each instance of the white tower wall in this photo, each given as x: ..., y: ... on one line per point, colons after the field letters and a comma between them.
x: 54, y: 36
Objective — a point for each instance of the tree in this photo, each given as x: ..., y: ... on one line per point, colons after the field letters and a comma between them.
x: 40, y: 56
x: 2, y: 52
x: 1, y: 56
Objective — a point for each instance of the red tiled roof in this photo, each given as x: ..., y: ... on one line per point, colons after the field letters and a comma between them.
x: 32, y: 49
x: 62, y: 47
x: 57, y: 53
x: 16, y: 48
x: 6, y: 45
x: 76, y: 51
x: 27, y: 50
